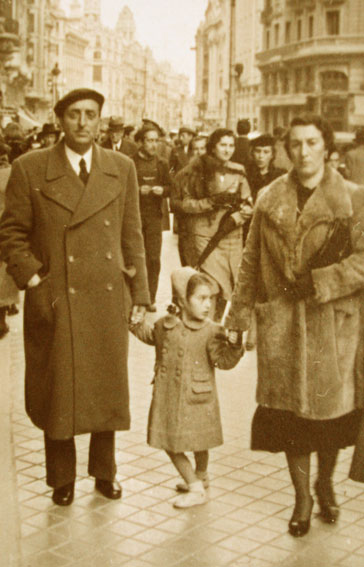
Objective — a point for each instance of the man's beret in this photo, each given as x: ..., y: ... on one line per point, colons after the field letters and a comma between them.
x: 262, y: 141
x: 187, y: 130
x: 116, y: 123
x: 75, y: 96
x: 148, y: 122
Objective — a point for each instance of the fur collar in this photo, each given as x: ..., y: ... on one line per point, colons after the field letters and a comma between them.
x: 330, y: 200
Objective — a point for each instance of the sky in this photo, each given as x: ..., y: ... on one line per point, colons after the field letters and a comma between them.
x: 167, y: 26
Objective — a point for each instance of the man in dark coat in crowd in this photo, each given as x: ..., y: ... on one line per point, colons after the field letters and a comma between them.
x: 154, y: 185
x: 116, y: 140
x: 354, y: 159
x: 180, y: 155
x: 242, y: 145
x: 71, y: 237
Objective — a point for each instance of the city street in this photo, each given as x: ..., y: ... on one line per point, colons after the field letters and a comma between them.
x: 250, y: 496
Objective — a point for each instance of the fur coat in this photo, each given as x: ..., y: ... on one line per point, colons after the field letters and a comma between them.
x: 308, y: 350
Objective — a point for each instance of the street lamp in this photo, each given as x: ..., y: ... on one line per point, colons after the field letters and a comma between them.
x: 55, y: 72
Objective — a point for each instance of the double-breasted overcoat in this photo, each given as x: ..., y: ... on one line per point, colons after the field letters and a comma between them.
x: 87, y: 245
x: 308, y: 350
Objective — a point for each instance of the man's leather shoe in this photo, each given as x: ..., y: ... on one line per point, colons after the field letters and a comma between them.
x: 63, y: 496
x: 109, y: 489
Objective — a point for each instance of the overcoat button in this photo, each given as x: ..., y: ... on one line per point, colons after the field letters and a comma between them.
x: 72, y: 290
x: 36, y: 189
x: 180, y: 352
x: 164, y: 350
x: 109, y: 255
x: 178, y: 372
x: 107, y: 222
x: 163, y: 368
x: 71, y: 259
x: 109, y: 287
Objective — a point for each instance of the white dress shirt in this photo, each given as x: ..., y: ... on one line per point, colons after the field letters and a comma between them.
x: 75, y: 158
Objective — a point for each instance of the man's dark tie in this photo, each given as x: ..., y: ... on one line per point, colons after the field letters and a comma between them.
x: 83, y: 175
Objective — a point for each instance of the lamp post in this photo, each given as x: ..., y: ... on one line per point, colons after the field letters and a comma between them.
x: 55, y: 72
x: 230, y: 110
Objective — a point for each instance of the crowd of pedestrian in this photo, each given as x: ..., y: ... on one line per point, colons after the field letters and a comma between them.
x: 270, y: 233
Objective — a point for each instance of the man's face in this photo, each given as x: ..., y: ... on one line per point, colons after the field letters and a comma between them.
x: 185, y: 138
x: 307, y: 150
x: 198, y: 147
x: 116, y: 136
x: 49, y: 140
x: 262, y: 156
x: 150, y: 142
x: 80, y: 123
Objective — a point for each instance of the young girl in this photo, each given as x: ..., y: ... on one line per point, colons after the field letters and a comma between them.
x: 184, y: 414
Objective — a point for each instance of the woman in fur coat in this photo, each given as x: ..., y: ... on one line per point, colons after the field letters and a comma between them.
x: 216, y: 199
x: 303, y: 272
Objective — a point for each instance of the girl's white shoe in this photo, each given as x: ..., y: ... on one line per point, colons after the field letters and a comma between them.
x: 204, y: 477
x: 195, y: 496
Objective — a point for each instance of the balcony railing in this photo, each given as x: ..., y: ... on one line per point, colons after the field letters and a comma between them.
x: 326, y: 45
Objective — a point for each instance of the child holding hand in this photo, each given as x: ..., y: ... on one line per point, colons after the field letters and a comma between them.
x: 184, y: 413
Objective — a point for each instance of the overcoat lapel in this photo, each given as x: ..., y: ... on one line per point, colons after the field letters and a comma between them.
x: 65, y: 187
x: 103, y: 186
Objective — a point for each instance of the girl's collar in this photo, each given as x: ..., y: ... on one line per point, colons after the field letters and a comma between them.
x: 193, y: 324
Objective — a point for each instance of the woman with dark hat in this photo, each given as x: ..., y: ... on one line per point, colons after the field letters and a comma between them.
x: 217, y: 202
x: 302, y: 272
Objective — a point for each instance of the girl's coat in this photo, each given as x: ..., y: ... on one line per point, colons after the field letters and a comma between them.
x: 185, y: 415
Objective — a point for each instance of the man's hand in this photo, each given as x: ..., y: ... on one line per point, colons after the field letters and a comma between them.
x: 137, y: 314
x: 34, y: 281
x: 157, y: 190
x: 145, y: 189
x: 235, y: 338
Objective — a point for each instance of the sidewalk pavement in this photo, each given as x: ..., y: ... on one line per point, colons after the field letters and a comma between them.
x: 250, y: 497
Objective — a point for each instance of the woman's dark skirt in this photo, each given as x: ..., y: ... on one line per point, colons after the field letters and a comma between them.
x: 277, y: 430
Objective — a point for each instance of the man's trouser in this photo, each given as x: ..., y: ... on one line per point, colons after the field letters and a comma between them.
x: 61, y: 458
x: 152, y: 233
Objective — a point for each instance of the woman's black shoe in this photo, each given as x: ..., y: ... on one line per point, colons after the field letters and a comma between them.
x: 299, y: 528
x: 4, y: 329
x: 329, y: 510
x: 12, y: 309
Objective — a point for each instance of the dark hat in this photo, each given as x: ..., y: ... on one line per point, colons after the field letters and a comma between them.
x: 262, y: 140
x: 116, y: 123
x: 147, y: 127
x: 49, y: 128
x: 154, y: 125
x: 129, y: 129
x: 13, y: 131
x: 187, y: 130
x: 76, y: 95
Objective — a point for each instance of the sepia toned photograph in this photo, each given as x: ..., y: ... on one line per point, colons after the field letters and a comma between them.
x: 182, y: 283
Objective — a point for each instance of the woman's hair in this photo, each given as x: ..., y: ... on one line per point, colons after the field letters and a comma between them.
x: 194, y: 282
x: 215, y: 138
x: 309, y: 119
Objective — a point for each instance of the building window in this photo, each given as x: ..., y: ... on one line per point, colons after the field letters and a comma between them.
x: 285, y: 82
x: 267, y: 39
x: 298, y: 80
x: 30, y: 22
x: 276, y: 34
x: 274, y: 83
x: 334, y: 81
x: 287, y: 35
x: 308, y: 84
x: 310, y: 26
x: 97, y: 73
x: 299, y: 30
x: 333, y: 22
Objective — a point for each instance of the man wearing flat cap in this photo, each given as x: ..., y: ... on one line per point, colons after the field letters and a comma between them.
x: 71, y: 238
x: 115, y: 138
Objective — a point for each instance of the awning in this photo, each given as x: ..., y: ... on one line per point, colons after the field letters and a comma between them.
x: 26, y: 121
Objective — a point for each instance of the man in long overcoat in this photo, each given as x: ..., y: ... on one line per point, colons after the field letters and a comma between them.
x: 71, y: 237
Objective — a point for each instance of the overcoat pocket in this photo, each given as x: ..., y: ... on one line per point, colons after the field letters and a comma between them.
x: 200, y: 388
x: 38, y: 303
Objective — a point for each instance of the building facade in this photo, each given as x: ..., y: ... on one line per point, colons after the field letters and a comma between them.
x: 227, y: 78
x: 45, y: 52
x: 312, y: 59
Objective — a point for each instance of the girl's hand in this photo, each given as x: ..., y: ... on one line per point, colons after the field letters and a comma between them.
x: 137, y: 314
x: 235, y: 338
x: 157, y: 190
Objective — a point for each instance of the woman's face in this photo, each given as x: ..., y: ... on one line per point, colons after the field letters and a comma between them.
x: 224, y: 148
x: 307, y: 150
x: 334, y: 160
